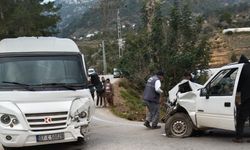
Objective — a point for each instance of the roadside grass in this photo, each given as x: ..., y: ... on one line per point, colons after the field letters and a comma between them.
x: 131, y: 105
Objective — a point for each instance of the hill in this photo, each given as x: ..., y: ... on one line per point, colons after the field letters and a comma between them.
x: 228, y: 48
x: 96, y: 16
x: 71, y: 11
x: 80, y: 17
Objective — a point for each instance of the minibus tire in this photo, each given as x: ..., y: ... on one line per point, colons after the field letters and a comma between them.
x: 8, y: 148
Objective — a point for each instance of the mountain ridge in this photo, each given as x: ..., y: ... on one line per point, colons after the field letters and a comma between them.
x: 80, y: 17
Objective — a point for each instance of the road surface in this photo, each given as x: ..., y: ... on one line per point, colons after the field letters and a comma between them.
x: 109, y: 132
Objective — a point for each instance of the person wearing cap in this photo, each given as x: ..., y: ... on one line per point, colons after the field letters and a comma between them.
x: 151, y: 97
x: 243, y: 108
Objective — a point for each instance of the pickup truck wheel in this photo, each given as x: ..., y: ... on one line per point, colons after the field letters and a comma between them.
x: 179, y: 125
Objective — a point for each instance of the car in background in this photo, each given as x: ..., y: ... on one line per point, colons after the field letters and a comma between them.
x: 117, y: 73
x: 91, y: 71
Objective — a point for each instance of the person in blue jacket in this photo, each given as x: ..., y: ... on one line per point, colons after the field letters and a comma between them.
x: 151, y: 97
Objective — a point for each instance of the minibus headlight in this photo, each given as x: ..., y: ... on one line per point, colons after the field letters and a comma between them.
x: 8, y: 120
x: 79, y: 108
x: 83, y: 114
x: 5, y: 119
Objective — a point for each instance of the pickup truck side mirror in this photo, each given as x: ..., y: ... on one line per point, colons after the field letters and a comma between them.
x: 204, y: 92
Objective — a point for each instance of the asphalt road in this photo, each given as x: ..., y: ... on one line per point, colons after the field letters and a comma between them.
x: 109, y: 132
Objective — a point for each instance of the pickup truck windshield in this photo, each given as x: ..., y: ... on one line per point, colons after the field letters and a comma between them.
x: 41, y: 72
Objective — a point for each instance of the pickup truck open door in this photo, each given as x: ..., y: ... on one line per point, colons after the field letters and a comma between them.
x: 216, y: 103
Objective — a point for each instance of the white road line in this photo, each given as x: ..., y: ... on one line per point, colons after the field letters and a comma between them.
x: 116, y: 123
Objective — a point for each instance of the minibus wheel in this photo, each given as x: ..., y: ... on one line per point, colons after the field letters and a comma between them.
x: 8, y: 148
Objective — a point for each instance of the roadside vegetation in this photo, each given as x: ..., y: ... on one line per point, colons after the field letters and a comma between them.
x: 128, y: 102
x: 173, y: 44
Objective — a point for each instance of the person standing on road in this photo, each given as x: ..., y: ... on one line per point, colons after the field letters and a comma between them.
x: 95, y: 80
x: 92, y: 89
x: 243, y: 110
x: 151, y: 97
x: 102, y: 96
x: 109, y: 92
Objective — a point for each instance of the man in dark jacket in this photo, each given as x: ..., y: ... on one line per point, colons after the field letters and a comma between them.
x: 95, y: 80
x: 151, y: 97
x: 243, y: 109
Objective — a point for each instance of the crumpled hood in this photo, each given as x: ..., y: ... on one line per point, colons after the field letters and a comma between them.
x: 174, y: 91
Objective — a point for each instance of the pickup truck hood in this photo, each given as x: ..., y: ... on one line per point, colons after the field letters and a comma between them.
x: 174, y: 91
x: 38, y: 101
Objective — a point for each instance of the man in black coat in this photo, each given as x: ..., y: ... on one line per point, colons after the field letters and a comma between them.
x: 95, y: 80
x: 243, y: 109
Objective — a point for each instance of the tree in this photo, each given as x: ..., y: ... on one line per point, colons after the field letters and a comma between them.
x: 186, y: 48
x: 227, y: 17
x: 233, y: 57
x: 143, y: 49
x: 27, y: 18
x: 136, y: 60
x: 156, y: 38
x: 173, y: 44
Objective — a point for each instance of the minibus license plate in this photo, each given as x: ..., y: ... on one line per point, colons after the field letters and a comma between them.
x: 50, y: 137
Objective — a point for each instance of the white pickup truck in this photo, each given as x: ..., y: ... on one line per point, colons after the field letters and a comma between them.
x: 44, y: 97
x: 211, y: 105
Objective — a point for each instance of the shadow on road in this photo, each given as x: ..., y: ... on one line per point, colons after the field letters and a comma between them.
x: 63, y: 146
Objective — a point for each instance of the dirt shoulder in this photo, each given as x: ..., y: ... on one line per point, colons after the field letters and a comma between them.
x: 119, y: 102
x: 127, y: 101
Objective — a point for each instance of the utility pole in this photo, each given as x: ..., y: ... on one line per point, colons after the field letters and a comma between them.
x: 104, y: 58
x: 119, y: 33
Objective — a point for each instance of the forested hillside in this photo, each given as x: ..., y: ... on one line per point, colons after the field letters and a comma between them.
x: 103, y: 15
x: 95, y: 15
x: 27, y: 18
x: 71, y: 10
